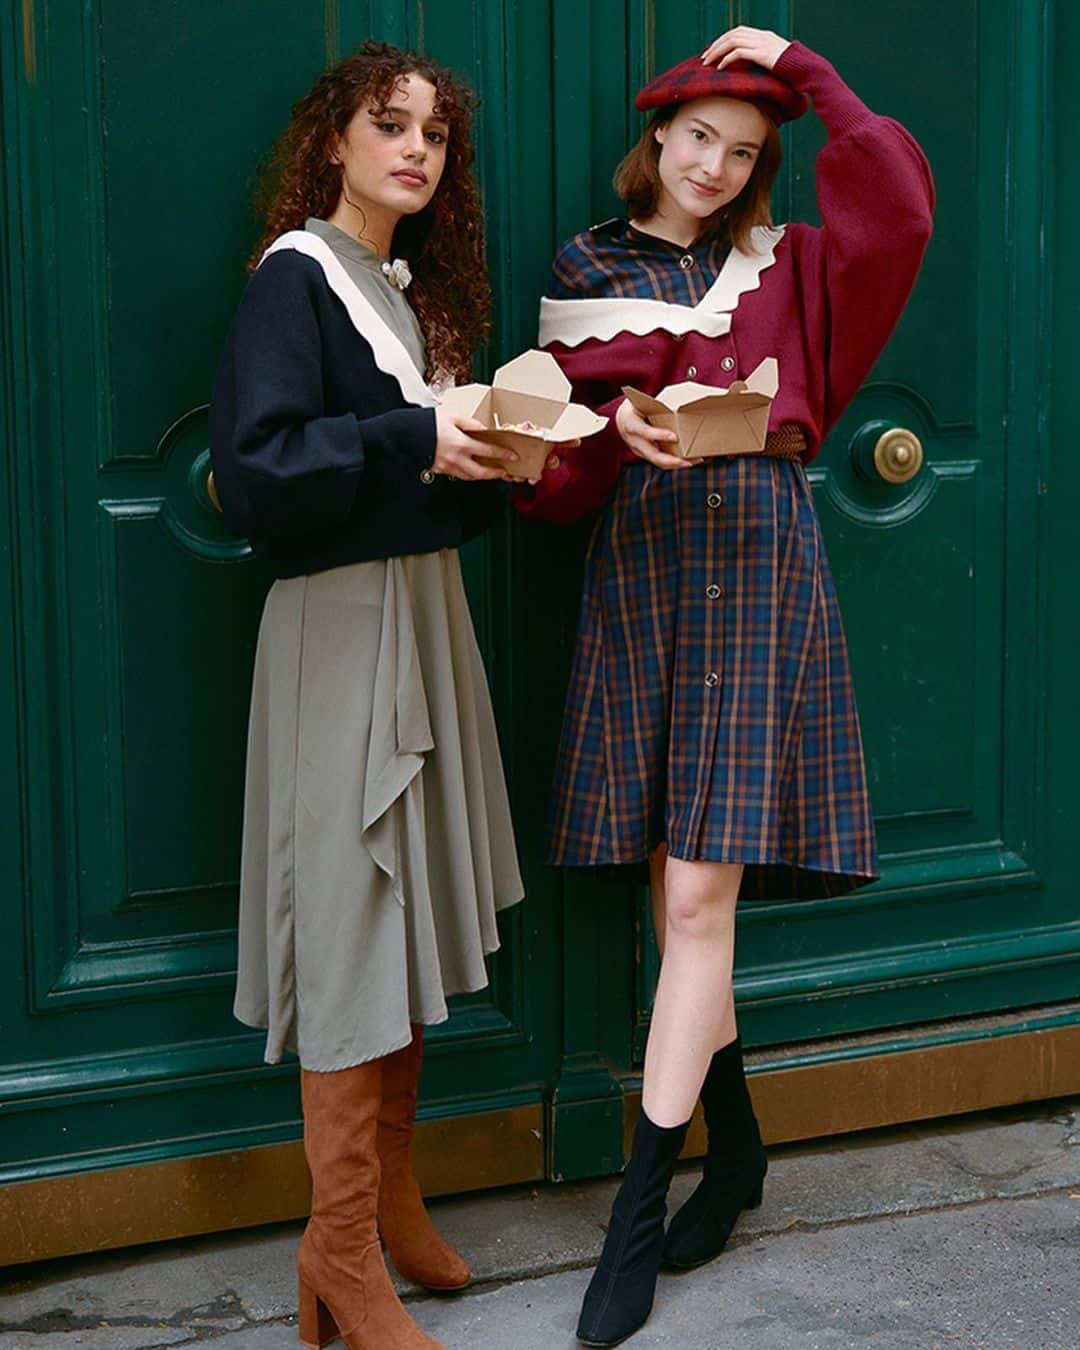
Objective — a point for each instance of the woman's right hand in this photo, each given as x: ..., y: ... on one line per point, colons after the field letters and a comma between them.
x: 645, y: 440
x: 457, y: 454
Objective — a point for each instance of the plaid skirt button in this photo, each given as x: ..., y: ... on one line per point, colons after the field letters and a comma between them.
x: 712, y: 679
x: 713, y: 500
x: 713, y: 592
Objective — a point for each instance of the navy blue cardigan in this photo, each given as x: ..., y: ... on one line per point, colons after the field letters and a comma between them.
x: 318, y: 459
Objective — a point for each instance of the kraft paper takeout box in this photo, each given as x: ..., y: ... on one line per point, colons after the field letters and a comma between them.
x: 531, y: 388
x: 711, y: 421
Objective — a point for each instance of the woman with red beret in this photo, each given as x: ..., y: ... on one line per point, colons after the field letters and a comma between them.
x: 710, y: 724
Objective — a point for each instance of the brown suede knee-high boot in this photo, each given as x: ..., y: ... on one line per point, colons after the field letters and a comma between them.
x: 418, y: 1252
x: 345, y: 1289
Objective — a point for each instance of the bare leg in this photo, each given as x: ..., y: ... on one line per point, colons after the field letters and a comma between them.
x: 693, y: 1015
x: 657, y: 865
x: 694, y: 908
x: 730, y: 1026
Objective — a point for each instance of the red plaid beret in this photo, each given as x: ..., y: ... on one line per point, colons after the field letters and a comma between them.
x: 742, y: 79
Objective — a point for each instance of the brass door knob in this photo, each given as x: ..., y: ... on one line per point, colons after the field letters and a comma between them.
x: 898, y: 455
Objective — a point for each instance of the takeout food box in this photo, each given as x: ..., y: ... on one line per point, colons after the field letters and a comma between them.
x: 711, y: 421
x: 526, y: 408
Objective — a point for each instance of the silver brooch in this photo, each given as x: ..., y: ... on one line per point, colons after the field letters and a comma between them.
x: 397, y: 273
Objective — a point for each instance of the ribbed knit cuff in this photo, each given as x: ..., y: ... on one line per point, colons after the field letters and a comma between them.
x: 839, y: 107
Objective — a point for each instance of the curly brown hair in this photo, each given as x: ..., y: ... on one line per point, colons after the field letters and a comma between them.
x: 637, y: 181
x: 444, y: 243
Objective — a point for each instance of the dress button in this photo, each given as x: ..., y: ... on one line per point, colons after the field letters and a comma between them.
x: 713, y: 592
x: 712, y: 679
x: 691, y: 371
x: 686, y: 261
x: 728, y: 363
x: 427, y: 476
x: 713, y: 500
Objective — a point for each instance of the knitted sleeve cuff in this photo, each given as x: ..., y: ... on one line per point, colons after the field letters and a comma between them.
x: 839, y: 107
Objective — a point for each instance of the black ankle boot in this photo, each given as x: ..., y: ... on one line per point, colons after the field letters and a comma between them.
x: 734, y: 1171
x: 620, y: 1295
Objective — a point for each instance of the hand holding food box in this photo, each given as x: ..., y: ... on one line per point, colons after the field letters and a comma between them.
x: 527, y: 409
x: 711, y: 421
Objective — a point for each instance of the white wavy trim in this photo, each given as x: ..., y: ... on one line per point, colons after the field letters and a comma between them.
x: 572, y: 322
x: 741, y: 272
x: 389, y: 351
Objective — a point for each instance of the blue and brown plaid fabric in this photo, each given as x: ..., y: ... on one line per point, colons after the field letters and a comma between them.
x: 615, y: 260
x: 710, y: 703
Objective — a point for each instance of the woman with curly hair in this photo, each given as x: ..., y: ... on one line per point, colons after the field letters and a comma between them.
x: 378, y: 844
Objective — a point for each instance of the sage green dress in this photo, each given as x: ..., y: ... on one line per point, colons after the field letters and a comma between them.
x: 378, y: 844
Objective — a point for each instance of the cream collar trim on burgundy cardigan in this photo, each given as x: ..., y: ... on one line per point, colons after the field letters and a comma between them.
x: 572, y: 322
x: 386, y: 347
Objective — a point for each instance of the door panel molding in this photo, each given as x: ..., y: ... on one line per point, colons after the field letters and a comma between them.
x: 847, y: 1085
x: 849, y: 976
x: 913, y: 877
x: 114, y: 922
x: 868, y: 504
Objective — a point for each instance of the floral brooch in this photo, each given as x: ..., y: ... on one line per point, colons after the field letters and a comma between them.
x: 397, y: 273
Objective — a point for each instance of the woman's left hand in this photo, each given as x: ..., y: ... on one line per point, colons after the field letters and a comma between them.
x: 759, y: 45
x: 558, y: 449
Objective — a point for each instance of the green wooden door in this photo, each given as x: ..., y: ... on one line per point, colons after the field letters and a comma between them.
x: 938, y: 577
x: 136, y: 131
x: 132, y: 134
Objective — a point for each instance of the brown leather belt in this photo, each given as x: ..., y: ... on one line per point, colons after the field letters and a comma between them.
x: 786, y: 442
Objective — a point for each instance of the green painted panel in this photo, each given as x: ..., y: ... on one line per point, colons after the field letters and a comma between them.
x: 175, y: 617
x: 124, y: 222
x: 933, y: 89
x: 915, y: 680
x: 164, y: 320
x: 1052, y: 380
x: 675, y: 32
x: 919, y: 567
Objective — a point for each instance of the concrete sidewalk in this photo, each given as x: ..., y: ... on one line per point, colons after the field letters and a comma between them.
x: 962, y: 1233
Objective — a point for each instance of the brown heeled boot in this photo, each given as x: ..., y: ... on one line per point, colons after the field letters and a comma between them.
x: 345, y: 1288
x: 418, y: 1252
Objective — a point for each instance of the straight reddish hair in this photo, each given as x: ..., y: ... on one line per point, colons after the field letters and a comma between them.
x: 637, y: 181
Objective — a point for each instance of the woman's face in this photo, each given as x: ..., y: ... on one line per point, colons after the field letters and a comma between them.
x: 392, y: 158
x: 707, y: 153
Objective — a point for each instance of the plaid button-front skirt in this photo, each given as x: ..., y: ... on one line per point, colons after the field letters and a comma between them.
x: 710, y: 703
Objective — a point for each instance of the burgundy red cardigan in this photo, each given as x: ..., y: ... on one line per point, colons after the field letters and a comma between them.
x: 824, y: 301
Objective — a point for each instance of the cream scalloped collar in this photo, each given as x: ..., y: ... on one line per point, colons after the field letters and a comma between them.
x: 389, y: 351
x: 572, y: 322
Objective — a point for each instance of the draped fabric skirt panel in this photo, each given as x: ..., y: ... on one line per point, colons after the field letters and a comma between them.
x: 378, y: 844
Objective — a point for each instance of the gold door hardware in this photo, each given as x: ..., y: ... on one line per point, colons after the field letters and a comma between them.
x: 898, y: 455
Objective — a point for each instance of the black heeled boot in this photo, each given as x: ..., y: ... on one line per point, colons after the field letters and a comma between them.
x: 620, y: 1295
x: 734, y: 1170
